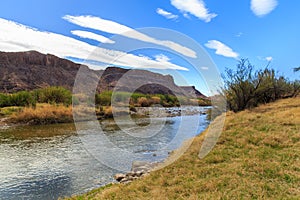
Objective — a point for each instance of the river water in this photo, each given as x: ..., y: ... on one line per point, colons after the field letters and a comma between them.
x: 47, y: 162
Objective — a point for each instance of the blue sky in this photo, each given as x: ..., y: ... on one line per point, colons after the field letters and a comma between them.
x: 261, y: 30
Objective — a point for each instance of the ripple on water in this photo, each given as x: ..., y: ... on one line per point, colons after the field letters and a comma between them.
x: 47, y: 162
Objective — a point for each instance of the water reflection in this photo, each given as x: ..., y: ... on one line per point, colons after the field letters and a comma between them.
x: 47, y: 162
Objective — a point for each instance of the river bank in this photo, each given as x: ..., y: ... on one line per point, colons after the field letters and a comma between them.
x: 255, y: 157
x: 54, y: 160
x: 43, y: 114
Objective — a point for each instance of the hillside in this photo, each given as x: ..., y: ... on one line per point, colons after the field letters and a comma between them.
x: 256, y: 157
x: 31, y: 70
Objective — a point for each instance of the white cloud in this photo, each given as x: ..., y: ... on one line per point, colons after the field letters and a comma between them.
x: 17, y: 37
x: 93, y: 36
x: 239, y: 34
x: 269, y: 58
x: 97, y: 23
x: 186, y: 15
x: 194, y: 7
x: 263, y: 7
x: 116, y: 28
x: 221, y: 49
x: 166, y: 14
x: 204, y: 68
x: 162, y: 58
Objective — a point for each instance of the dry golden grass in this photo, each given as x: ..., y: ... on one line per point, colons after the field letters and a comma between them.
x: 43, y: 114
x: 256, y: 157
x: 155, y: 100
x: 108, y: 111
x: 143, y: 102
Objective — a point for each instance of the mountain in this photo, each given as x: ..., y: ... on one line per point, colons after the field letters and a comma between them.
x: 31, y: 70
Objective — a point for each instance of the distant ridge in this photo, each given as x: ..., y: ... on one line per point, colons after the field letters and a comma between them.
x: 32, y: 70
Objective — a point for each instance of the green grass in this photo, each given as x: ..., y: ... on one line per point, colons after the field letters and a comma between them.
x: 7, y: 111
x: 256, y: 157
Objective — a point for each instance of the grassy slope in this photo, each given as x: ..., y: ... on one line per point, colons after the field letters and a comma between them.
x: 256, y: 157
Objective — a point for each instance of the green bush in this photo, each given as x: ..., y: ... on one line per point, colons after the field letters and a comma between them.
x: 4, y: 100
x: 103, y: 99
x: 54, y: 95
x: 135, y: 99
x: 246, y: 88
x: 22, y: 98
x: 121, y: 97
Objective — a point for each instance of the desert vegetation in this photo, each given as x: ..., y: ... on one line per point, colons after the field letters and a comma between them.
x: 105, y: 98
x: 246, y: 87
x: 51, y: 95
x: 256, y: 157
x: 53, y: 104
x: 43, y: 114
x: 41, y: 106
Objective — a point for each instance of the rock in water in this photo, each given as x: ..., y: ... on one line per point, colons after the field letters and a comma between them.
x: 119, y: 177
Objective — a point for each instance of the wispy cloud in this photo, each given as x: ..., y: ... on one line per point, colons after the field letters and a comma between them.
x: 17, y: 37
x: 269, y: 58
x: 204, y: 68
x: 194, y: 7
x: 112, y: 27
x: 263, y: 7
x: 166, y: 14
x: 162, y: 58
x: 93, y: 36
x: 186, y: 15
x: 239, y: 34
x: 221, y: 49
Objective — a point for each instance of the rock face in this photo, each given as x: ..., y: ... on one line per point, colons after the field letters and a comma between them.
x: 143, y: 81
x: 31, y: 70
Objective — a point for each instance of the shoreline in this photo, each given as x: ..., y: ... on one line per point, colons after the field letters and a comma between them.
x: 58, y: 114
x: 136, y: 173
x: 239, y: 157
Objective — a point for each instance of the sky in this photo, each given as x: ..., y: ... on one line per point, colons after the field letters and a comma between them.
x: 194, y: 40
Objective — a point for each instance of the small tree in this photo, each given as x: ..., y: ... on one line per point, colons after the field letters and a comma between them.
x: 296, y: 69
x: 246, y: 88
x: 240, y: 86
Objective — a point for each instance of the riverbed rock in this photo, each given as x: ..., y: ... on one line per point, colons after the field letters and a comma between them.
x: 142, y: 166
x: 119, y: 177
x: 125, y: 181
x: 139, y: 169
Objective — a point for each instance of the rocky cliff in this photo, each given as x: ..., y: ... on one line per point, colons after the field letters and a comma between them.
x: 32, y: 70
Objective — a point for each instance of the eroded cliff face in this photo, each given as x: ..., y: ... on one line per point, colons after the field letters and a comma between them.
x: 31, y: 70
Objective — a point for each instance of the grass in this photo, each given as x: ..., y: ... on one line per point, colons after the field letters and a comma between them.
x: 7, y: 111
x: 256, y: 157
x: 43, y: 114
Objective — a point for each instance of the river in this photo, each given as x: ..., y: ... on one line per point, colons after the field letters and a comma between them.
x: 51, y: 161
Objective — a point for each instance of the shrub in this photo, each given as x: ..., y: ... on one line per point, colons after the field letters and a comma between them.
x: 108, y: 111
x: 155, y: 100
x: 121, y: 97
x: 135, y: 96
x: 44, y: 114
x: 22, y: 98
x: 104, y: 98
x: 246, y: 88
x: 4, y: 100
x: 54, y: 95
x: 143, y: 102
